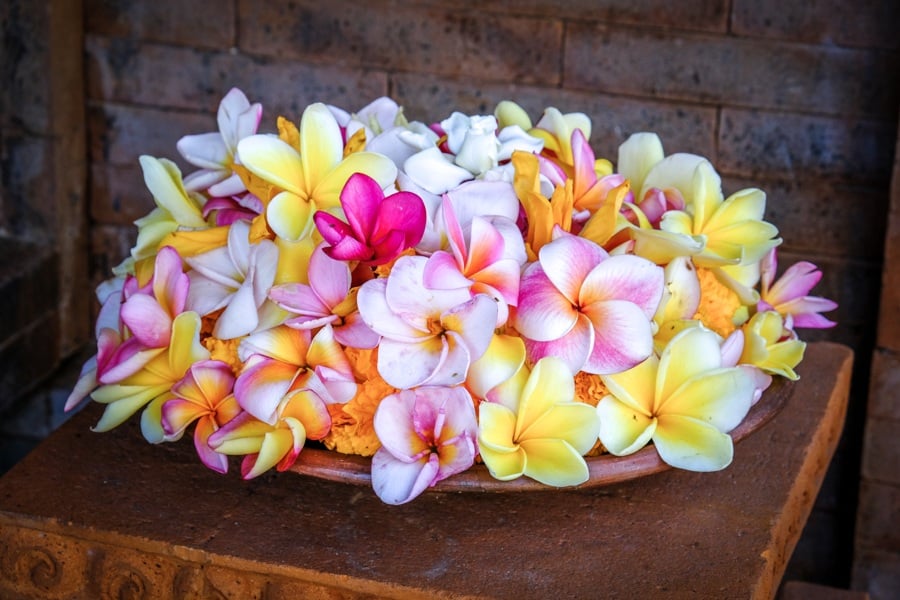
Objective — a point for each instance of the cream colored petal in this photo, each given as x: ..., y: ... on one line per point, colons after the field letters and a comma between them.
x: 688, y: 443
x: 720, y: 397
x: 692, y: 351
x: 636, y: 386
x: 321, y: 143
x: 327, y: 190
x: 554, y: 462
x: 290, y: 216
x: 163, y: 179
x: 623, y: 430
x: 550, y: 382
x: 637, y: 155
x: 576, y: 423
x: 274, y: 161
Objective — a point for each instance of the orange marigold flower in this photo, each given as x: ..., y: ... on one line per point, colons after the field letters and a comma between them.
x: 717, y: 304
x: 352, y: 431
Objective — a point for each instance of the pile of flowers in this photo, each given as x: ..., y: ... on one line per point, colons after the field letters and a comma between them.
x: 481, y: 289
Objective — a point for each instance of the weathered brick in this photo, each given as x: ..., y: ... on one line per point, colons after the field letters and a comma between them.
x: 867, y: 23
x: 118, y: 194
x: 881, y: 455
x: 119, y: 134
x: 756, y: 143
x: 157, y: 75
x: 702, y: 15
x: 877, y: 573
x: 199, y: 23
x: 110, y: 244
x: 25, y: 93
x: 884, y: 401
x: 879, y: 503
x: 28, y: 357
x: 450, y: 43
x: 29, y: 284
x: 27, y: 192
x: 821, y: 217
x: 681, y: 128
x: 889, y: 331
x: 724, y: 70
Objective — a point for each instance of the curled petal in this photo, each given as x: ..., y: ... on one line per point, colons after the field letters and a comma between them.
x: 398, y: 482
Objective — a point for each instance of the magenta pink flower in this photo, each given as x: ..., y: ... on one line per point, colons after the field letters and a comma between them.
x: 427, y: 435
x: 378, y: 228
x: 588, y: 308
x: 790, y: 294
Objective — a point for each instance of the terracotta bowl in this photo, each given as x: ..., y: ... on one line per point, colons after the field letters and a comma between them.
x: 604, y: 469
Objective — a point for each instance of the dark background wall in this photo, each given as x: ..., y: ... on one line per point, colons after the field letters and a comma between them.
x: 798, y: 98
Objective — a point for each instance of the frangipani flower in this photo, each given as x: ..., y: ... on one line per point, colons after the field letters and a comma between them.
x: 235, y: 278
x: 312, y: 176
x: 216, y: 153
x: 790, y: 297
x: 770, y: 346
x: 588, y: 308
x: 685, y: 401
x: 301, y: 415
x: 427, y: 435
x: 489, y: 264
x: 283, y: 360
x: 148, y: 314
x: 378, y: 228
x: 154, y: 381
x: 327, y: 299
x: 175, y: 207
x: 545, y: 436
x: 733, y: 229
x: 203, y: 395
x: 428, y: 336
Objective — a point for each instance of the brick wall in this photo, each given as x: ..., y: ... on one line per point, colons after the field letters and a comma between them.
x: 44, y: 290
x: 877, y: 565
x: 795, y: 97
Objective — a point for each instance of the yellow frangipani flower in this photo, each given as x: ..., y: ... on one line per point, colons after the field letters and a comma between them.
x: 685, y: 401
x: 771, y: 347
x: 546, y: 437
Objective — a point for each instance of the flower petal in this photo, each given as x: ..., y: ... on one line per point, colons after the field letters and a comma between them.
x: 274, y: 161
x: 688, y: 443
x: 623, y: 430
x: 554, y: 462
x: 398, y: 482
x: 623, y: 336
x: 543, y: 314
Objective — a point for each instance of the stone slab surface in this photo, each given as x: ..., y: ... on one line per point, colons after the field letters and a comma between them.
x: 107, y: 515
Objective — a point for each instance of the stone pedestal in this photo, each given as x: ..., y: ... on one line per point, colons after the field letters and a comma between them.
x: 107, y: 515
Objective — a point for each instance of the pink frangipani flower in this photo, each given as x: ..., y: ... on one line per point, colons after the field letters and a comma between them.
x: 427, y: 435
x: 486, y: 264
x: 327, y: 299
x: 148, y: 313
x: 588, y: 308
x: 378, y: 228
x: 790, y: 294
x: 428, y: 336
